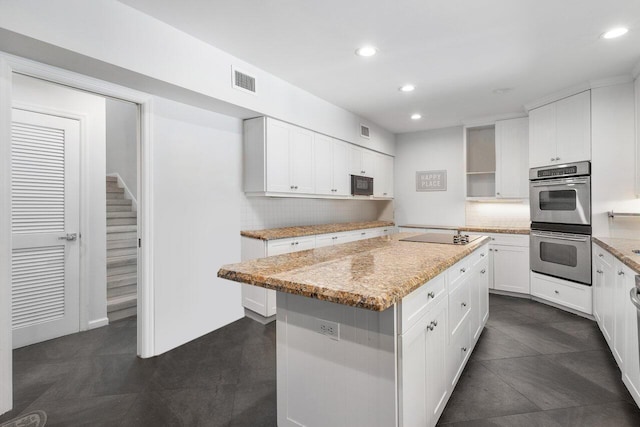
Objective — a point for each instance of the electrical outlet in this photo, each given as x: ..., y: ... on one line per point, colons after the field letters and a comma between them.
x: 330, y: 329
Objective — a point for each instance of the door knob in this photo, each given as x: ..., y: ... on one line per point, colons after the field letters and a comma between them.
x: 70, y: 237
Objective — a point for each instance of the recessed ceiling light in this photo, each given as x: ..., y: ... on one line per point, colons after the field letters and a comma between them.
x: 407, y: 88
x: 615, y: 32
x: 416, y: 116
x: 502, y: 90
x: 366, y: 51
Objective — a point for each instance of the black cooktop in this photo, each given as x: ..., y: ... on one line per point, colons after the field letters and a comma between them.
x: 445, y: 239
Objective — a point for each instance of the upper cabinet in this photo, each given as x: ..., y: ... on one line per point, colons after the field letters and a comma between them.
x: 331, y: 163
x: 512, y: 170
x: 284, y: 160
x: 383, y: 176
x: 361, y: 161
x: 560, y: 132
x: 290, y: 158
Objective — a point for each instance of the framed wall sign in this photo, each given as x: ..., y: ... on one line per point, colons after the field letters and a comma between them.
x: 431, y: 180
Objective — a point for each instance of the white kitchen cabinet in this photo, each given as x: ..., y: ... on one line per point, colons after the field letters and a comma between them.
x: 511, y: 268
x: 361, y: 161
x: 575, y: 296
x: 624, y: 282
x: 480, y: 298
x: 512, y: 163
x: 424, y: 368
x: 560, y: 132
x: 331, y: 167
x: 603, y: 284
x: 631, y: 367
x: 509, y: 263
x: 278, y: 157
x: 260, y: 300
x: 383, y: 176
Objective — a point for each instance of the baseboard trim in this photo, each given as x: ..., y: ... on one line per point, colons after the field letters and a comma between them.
x: 258, y: 318
x: 563, y: 308
x: 98, y: 323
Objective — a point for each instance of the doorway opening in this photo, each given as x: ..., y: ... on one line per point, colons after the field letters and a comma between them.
x: 121, y: 208
x: 74, y: 185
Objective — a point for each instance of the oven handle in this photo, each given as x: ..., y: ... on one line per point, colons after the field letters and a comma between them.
x: 559, y: 237
x: 557, y: 182
x: 634, y: 297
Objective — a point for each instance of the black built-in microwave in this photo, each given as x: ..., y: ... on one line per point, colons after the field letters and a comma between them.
x: 361, y: 185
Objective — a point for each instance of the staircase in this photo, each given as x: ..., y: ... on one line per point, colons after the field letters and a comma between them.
x: 122, y: 253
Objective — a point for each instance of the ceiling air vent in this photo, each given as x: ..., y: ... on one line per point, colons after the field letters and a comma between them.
x: 364, y: 131
x: 243, y: 81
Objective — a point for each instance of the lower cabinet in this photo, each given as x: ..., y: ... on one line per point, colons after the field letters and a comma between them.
x: 509, y: 263
x: 617, y: 317
x: 424, y: 367
x: 435, y: 349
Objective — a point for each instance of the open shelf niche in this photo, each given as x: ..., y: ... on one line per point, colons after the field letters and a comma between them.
x: 481, y: 162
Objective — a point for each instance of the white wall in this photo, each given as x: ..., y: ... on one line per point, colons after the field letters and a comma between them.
x: 157, y: 58
x: 197, y: 190
x: 122, y: 138
x: 430, y: 150
x: 93, y: 225
x: 613, y: 164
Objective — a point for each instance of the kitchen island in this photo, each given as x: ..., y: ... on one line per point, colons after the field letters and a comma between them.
x: 372, y: 333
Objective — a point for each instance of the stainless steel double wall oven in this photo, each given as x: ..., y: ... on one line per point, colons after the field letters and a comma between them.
x: 560, y: 198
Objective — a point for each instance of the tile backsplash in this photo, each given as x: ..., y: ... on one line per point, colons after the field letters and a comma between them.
x: 500, y: 214
x: 272, y: 212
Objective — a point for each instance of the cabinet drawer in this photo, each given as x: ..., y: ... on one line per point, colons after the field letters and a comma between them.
x: 417, y: 303
x: 479, y: 254
x: 459, y: 305
x: 286, y: 246
x: 509, y: 239
x: 457, y: 352
x: 458, y: 271
x: 572, y: 295
x: 602, y: 255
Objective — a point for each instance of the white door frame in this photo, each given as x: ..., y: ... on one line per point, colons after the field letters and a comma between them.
x: 10, y: 64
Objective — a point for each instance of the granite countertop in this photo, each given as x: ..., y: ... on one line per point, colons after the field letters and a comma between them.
x: 308, y: 230
x: 504, y: 230
x: 621, y: 249
x: 373, y: 273
x: 473, y: 229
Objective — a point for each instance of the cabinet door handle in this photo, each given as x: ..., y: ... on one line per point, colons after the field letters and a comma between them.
x: 483, y: 271
x: 435, y: 323
x: 482, y: 255
x: 362, y: 171
x: 490, y: 250
x: 463, y: 270
x: 293, y: 243
x: 599, y: 271
x: 601, y: 255
x: 430, y: 327
x: 431, y: 294
x: 495, y: 250
x: 464, y: 349
x: 557, y: 158
x: 292, y: 187
x: 497, y: 194
x: 362, y: 234
x: 464, y: 304
x: 620, y: 273
x: 553, y: 159
x: 297, y: 243
x: 296, y: 187
x: 557, y: 292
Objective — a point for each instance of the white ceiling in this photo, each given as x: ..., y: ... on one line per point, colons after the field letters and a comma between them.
x: 454, y: 51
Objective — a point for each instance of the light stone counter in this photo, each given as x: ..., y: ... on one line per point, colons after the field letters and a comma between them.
x: 621, y: 249
x: 373, y: 274
x: 309, y: 230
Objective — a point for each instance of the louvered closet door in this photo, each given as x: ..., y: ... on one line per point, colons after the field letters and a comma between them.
x: 45, y: 208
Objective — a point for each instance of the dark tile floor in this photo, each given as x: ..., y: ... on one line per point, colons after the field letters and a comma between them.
x: 534, y: 366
